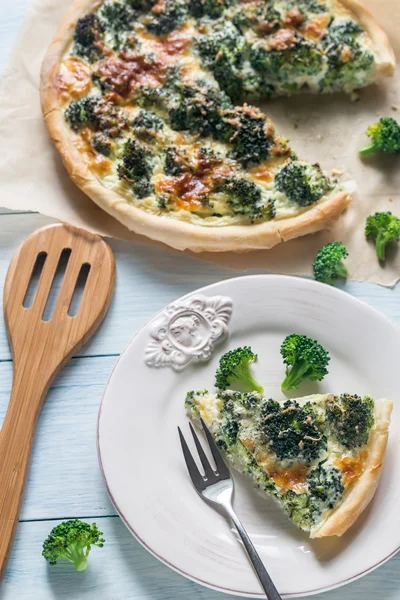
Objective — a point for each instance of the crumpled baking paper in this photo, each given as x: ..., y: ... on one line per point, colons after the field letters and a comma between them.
x: 328, y: 130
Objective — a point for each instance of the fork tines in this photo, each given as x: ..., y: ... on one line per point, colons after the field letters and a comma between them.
x: 210, y: 475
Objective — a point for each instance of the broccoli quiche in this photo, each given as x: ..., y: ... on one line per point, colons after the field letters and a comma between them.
x: 151, y: 105
x: 320, y: 456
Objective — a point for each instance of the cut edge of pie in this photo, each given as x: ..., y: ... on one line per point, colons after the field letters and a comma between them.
x: 173, y: 232
x: 345, y: 515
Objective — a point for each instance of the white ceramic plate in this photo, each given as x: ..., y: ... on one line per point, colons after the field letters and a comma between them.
x: 147, y: 479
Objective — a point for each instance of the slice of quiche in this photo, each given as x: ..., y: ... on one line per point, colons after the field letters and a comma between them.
x: 149, y: 104
x: 320, y: 456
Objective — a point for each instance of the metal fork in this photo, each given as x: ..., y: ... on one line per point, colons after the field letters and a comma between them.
x: 216, y: 487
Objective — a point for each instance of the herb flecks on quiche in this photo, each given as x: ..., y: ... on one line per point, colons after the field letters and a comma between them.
x: 320, y: 457
x: 150, y: 105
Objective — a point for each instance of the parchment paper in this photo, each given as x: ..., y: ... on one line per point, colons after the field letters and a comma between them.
x: 328, y: 130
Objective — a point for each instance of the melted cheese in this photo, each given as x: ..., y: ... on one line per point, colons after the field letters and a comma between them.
x: 73, y: 78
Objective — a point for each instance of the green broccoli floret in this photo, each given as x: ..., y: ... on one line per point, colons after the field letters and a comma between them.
x: 349, y: 63
x: 304, y: 359
x: 325, y: 485
x: 96, y: 113
x: 166, y: 18
x: 325, y: 490
x: 384, y: 228
x: 208, y: 8
x: 146, y: 96
x: 196, y: 108
x: 291, y: 431
x: 245, y: 198
x: 309, y: 6
x: 146, y: 119
x: 249, y: 132
x: 136, y: 168
x: 87, y: 32
x: 234, y: 368
x: 223, y: 50
x: 302, y: 183
x: 116, y: 16
x: 385, y: 136
x: 299, y: 510
x: 350, y: 418
x: 175, y: 162
x: 328, y: 264
x: 141, y: 5
x: 146, y: 125
x: 81, y: 112
x: 102, y: 143
x: 72, y: 540
x: 301, y: 57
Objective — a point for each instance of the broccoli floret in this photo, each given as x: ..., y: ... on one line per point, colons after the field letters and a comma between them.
x: 136, y: 168
x: 245, y: 198
x: 72, y: 540
x: 304, y: 359
x: 249, y: 132
x: 299, y: 509
x: 223, y: 51
x: 208, y: 8
x: 385, y: 136
x: 97, y: 114
x: 141, y: 5
x: 350, y: 419
x: 197, y: 109
x: 146, y: 125
x: 349, y: 64
x: 175, y: 163
x: 301, y: 57
x: 325, y: 490
x: 102, y: 143
x: 384, y: 228
x: 87, y: 32
x: 225, y: 37
x: 309, y: 6
x: 325, y: 484
x: 146, y: 96
x: 328, y: 264
x: 234, y: 368
x: 148, y: 120
x: 166, y: 16
x: 81, y: 112
x: 116, y: 16
x: 302, y: 183
x: 291, y: 431
x: 229, y: 431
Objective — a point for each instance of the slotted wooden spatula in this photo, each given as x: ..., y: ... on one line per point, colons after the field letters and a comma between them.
x: 40, y: 348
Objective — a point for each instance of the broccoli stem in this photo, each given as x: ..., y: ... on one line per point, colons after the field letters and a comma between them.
x: 341, y: 270
x: 295, y: 376
x: 381, y: 242
x: 369, y: 149
x: 77, y: 556
x: 244, y: 375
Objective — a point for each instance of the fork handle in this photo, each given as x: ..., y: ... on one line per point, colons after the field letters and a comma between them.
x: 262, y: 574
x: 16, y: 436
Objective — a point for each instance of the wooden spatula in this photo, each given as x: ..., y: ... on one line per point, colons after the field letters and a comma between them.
x: 40, y: 348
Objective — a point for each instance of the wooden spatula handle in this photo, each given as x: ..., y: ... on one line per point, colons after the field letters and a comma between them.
x: 16, y: 438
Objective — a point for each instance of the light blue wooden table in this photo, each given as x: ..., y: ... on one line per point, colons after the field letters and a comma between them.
x: 64, y: 479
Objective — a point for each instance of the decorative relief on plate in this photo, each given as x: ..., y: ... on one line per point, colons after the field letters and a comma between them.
x: 188, y: 329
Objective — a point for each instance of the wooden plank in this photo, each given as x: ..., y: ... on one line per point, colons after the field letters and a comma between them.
x: 64, y: 479
x: 123, y: 570
x: 148, y: 277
